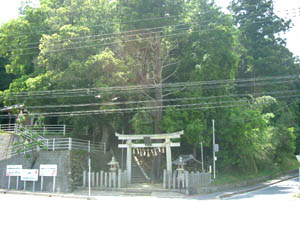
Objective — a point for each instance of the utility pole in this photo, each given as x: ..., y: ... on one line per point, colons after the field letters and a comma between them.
x: 89, y: 155
x: 214, y: 153
x: 202, y: 161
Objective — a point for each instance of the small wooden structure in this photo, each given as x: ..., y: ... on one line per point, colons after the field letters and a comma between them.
x: 155, y: 141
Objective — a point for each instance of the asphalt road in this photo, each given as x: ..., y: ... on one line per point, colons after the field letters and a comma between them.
x: 273, y: 205
x: 280, y: 191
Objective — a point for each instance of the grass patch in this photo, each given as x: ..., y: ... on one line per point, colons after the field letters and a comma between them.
x: 3, y: 132
x: 289, y: 164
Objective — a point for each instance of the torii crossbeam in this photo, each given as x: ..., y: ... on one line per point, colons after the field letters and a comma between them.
x: 165, y: 142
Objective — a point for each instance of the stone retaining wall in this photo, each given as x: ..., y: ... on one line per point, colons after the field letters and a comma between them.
x: 63, y: 179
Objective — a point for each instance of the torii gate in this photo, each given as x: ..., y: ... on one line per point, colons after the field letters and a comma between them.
x: 166, y: 143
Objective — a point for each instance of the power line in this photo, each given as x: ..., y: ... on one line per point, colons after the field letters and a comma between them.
x: 153, y: 101
x: 90, y: 36
x: 263, y: 81
x: 85, y: 92
x: 146, y: 108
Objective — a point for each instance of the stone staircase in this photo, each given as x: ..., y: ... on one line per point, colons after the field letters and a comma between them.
x: 137, y: 175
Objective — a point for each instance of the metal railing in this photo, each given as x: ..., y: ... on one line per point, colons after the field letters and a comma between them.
x: 61, y: 130
x: 35, y: 142
x: 17, y: 150
x: 63, y: 144
x: 27, y: 134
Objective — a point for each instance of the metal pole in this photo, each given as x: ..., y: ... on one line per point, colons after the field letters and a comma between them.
x: 8, y: 182
x: 202, y: 157
x: 17, y: 185
x: 214, y: 155
x: 122, y: 159
x: 54, y: 177
x: 89, y: 150
x: 42, y: 181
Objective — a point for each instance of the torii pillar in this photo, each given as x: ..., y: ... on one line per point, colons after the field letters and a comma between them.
x: 167, y: 143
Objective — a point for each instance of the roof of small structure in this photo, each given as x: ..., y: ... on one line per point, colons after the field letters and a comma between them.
x: 185, y: 159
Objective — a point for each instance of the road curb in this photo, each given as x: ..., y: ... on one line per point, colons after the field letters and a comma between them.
x: 228, y: 195
x: 49, y: 195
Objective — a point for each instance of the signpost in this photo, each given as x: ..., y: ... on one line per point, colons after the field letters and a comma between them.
x: 29, y: 175
x: 13, y: 171
x: 48, y: 171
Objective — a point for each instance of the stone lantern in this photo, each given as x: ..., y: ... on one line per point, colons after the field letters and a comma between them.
x: 180, y: 171
x: 180, y: 168
x: 114, y: 165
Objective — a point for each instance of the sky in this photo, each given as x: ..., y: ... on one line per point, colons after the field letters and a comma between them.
x: 9, y: 10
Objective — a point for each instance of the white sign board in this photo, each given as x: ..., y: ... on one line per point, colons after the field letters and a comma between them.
x: 48, y: 170
x: 216, y: 147
x: 30, y: 175
x: 13, y: 170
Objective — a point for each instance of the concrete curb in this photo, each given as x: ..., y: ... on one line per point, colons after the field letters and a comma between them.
x: 50, y: 195
x: 261, y: 186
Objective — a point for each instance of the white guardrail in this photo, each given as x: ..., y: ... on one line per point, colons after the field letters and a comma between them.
x: 50, y: 129
x: 60, y: 130
x: 35, y: 142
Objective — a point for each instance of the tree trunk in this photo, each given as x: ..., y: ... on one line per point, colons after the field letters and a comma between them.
x: 156, y: 164
x: 195, y: 151
x: 105, y: 134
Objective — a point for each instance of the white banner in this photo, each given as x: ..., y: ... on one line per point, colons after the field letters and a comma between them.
x: 13, y: 170
x: 48, y: 170
x: 30, y: 175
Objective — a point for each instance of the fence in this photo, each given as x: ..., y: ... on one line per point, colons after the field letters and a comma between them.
x: 60, y: 130
x: 49, y: 130
x: 62, y: 144
x: 185, y: 180
x: 105, y: 179
x: 15, y: 150
x: 33, y: 139
x: 35, y: 142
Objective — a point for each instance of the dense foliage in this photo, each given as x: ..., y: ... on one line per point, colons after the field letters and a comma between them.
x: 155, y: 66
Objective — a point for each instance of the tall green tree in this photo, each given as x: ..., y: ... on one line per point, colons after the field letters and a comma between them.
x: 206, y: 53
x: 264, y: 52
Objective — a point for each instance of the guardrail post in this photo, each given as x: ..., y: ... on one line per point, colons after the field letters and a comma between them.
x: 53, y: 144
x: 44, y: 130
x: 64, y: 130
x: 70, y: 144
